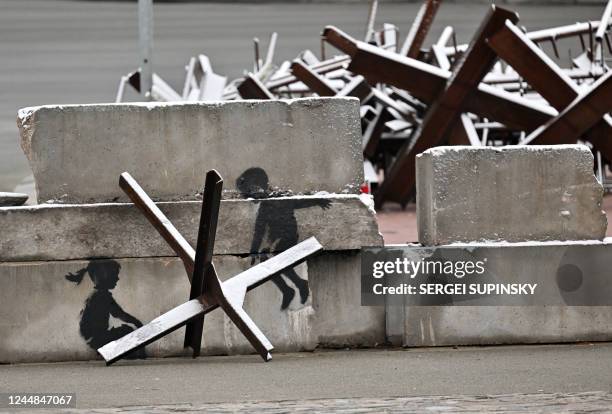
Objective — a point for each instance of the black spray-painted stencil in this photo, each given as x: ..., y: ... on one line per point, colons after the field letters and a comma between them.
x: 100, y: 306
x: 277, y: 225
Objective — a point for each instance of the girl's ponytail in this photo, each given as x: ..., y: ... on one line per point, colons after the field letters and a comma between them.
x: 77, y: 277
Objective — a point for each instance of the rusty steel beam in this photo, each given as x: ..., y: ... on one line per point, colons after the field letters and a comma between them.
x: 252, y: 88
x: 446, y: 109
x: 540, y: 71
x: 206, y: 237
x: 228, y: 295
x: 572, y: 73
x: 154, y: 215
x: 203, y: 260
x: 425, y: 82
x: 550, y: 81
x: 317, y: 83
x: 233, y: 291
x: 420, y: 28
x: 356, y: 87
x: 335, y: 63
x: 510, y: 109
x: 581, y: 115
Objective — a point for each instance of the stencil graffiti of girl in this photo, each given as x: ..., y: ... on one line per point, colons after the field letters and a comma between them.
x: 100, y: 305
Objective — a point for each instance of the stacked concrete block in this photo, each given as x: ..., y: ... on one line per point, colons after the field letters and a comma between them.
x: 12, y: 199
x: 76, y: 152
x: 511, y: 194
x: 531, y: 209
x: 292, y: 170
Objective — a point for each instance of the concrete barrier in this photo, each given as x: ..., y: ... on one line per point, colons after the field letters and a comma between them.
x: 69, y: 232
x: 300, y: 146
x: 12, y: 199
x: 46, y: 317
x: 76, y: 276
x: 532, y: 262
x: 501, y: 203
x: 58, y: 305
x: 512, y: 193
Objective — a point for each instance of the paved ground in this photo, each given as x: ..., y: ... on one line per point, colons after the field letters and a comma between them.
x: 371, y: 376
x: 585, y: 402
x: 54, y: 51
x: 588, y: 402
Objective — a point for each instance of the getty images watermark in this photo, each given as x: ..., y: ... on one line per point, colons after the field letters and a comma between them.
x: 481, y: 276
x: 404, y: 267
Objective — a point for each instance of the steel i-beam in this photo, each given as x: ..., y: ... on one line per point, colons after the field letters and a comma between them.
x: 420, y: 28
x: 583, y: 113
x: 252, y: 88
x: 550, y: 81
x: 317, y: 83
x: 228, y: 295
x: 425, y: 82
x: 446, y: 109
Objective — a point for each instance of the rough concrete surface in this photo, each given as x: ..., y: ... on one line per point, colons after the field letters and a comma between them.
x: 554, y: 318
x: 303, y: 146
x: 63, y: 232
x: 399, y: 226
x: 12, y: 199
x: 513, y: 193
x: 38, y: 301
x: 338, y: 374
x: 467, y: 325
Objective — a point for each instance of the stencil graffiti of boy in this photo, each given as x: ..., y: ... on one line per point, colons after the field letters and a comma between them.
x: 276, y: 223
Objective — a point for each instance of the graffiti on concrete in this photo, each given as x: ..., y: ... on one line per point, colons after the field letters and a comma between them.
x: 277, y: 226
x: 95, y: 323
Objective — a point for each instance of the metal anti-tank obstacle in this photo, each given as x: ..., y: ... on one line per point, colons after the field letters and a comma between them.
x: 207, y: 291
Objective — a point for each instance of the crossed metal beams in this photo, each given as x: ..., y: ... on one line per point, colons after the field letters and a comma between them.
x: 583, y: 113
x: 477, y: 61
x: 449, y: 95
x: 420, y: 28
x: 203, y: 270
x: 542, y: 73
x: 207, y: 291
x: 252, y: 88
x: 425, y: 82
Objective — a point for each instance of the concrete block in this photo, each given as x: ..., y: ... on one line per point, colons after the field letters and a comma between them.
x: 12, y: 199
x: 513, y: 193
x: 300, y: 146
x: 487, y: 325
x: 42, y: 318
x: 475, y: 325
x: 68, y: 232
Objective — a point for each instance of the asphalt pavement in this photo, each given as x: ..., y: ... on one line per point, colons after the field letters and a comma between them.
x: 323, y: 375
